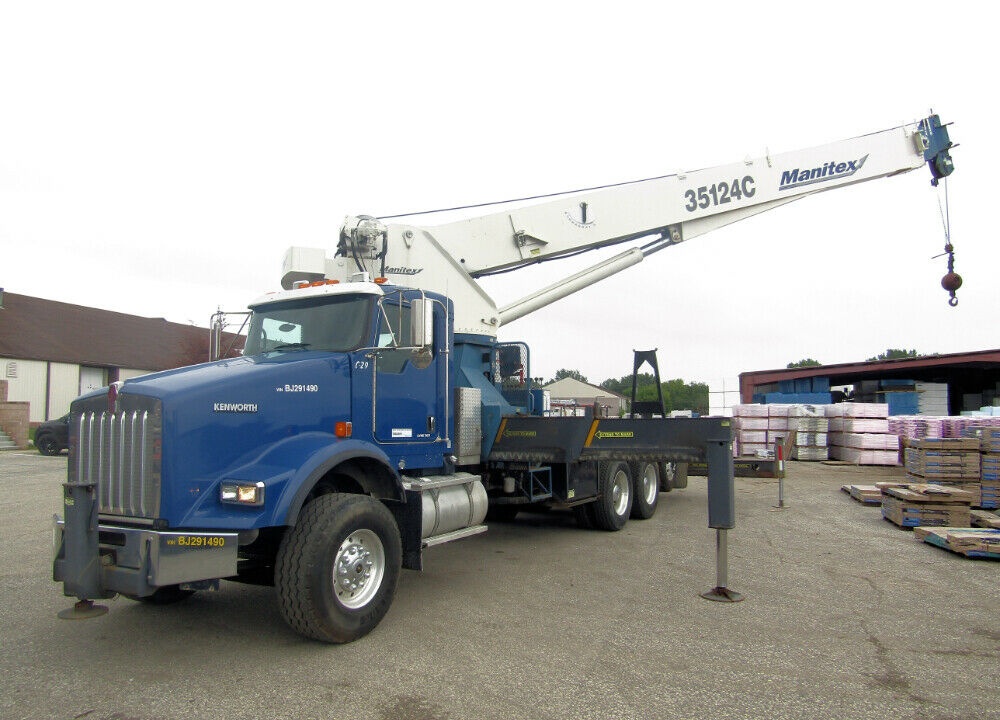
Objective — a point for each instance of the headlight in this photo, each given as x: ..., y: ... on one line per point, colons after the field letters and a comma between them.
x: 237, y: 493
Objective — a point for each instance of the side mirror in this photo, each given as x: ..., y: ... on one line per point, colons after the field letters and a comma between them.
x: 421, y: 323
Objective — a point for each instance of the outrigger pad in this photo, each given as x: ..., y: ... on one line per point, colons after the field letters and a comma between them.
x: 83, y: 610
x: 722, y: 594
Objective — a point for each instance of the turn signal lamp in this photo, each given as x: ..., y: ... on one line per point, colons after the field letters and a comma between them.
x: 343, y: 429
x: 234, y: 493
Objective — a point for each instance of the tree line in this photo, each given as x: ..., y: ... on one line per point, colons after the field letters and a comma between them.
x: 677, y: 394
x: 680, y: 395
x: 889, y: 354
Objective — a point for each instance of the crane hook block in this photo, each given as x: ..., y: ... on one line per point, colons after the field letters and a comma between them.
x: 951, y: 282
x: 936, y: 144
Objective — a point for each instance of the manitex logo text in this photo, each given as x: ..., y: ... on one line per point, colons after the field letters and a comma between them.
x: 520, y: 433
x: 832, y: 170
x: 612, y: 434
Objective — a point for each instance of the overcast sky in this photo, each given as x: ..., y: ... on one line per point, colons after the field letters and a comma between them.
x: 158, y: 159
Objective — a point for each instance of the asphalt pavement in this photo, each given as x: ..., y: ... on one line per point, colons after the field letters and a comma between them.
x: 845, y: 616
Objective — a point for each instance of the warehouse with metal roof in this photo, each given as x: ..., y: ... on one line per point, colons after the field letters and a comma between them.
x: 967, y: 382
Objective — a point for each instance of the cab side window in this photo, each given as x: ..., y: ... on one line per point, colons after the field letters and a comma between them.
x: 393, y: 333
x: 396, y: 337
x: 394, y: 325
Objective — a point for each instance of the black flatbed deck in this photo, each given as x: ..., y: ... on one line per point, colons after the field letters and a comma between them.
x: 580, y: 439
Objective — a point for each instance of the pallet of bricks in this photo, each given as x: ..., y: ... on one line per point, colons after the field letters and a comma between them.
x: 760, y: 427
x: 811, y: 428
x: 988, y: 438
x: 949, y: 462
x: 859, y: 433
x: 750, y: 422
x: 911, y: 505
x: 940, y: 515
x: 964, y: 541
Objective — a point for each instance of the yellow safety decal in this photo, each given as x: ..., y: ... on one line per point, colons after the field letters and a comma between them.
x: 593, y: 430
x: 503, y: 425
x: 605, y: 434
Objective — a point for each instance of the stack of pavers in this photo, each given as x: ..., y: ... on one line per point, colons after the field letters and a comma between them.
x: 965, y: 541
x: 909, y: 427
x: 811, y: 428
x: 989, y: 487
x: 925, y: 504
x: 989, y: 464
x: 951, y: 462
x: 864, y: 494
x: 750, y: 421
x: 777, y: 424
x: 859, y: 433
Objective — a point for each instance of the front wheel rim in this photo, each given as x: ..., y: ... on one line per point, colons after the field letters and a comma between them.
x: 358, y: 569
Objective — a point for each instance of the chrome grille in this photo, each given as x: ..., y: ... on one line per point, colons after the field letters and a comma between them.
x: 120, y: 452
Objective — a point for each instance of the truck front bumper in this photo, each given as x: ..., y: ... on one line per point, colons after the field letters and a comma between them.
x: 137, y: 561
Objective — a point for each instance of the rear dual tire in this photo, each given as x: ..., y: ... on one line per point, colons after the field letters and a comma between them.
x: 613, y: 506
x: 646, y: 488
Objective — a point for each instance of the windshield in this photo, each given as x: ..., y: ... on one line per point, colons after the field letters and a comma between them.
x: 335, y: 324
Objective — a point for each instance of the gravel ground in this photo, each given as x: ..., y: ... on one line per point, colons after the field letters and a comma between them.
x: 846, y: 616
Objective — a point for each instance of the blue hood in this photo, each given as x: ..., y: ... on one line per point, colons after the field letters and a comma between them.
x: 220, y: 416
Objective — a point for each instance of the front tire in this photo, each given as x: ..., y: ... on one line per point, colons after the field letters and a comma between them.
x: 337, y: 568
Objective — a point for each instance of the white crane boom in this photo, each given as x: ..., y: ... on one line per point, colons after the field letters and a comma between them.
x: 665, y: 211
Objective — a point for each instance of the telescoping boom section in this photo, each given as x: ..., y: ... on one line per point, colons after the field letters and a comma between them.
x: 651, y: 215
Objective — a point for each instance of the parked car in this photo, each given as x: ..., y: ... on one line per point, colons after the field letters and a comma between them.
x: 52, y: 437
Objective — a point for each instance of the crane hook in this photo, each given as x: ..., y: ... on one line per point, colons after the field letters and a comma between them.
x: 951, y: 281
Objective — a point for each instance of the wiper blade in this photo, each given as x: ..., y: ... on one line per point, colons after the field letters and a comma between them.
x: 291, y: 346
